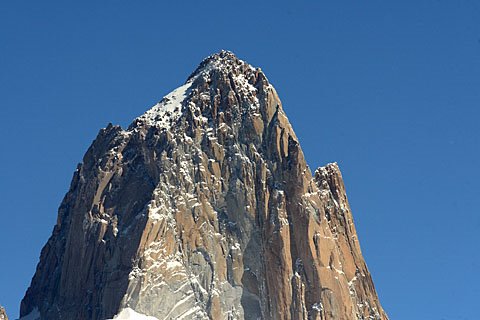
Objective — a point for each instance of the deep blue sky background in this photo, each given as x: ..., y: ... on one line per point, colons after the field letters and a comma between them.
x: 389, y: 89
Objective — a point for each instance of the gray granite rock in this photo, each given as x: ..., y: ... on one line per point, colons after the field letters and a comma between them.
x: 3, y: 314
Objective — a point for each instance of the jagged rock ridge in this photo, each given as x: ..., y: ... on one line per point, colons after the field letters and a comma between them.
x: 204, y: 208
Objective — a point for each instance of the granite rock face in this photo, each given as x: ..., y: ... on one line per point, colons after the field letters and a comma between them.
x: 204, y: 208
x: 3, y: 314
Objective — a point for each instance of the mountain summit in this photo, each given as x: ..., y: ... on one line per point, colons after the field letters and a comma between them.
x: 204, y: 208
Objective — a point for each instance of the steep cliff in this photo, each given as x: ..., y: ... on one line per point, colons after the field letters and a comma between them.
x: 204, y: 208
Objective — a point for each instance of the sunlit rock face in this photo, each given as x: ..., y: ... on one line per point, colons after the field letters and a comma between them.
x: 3, y: 314
x: 204, y: 208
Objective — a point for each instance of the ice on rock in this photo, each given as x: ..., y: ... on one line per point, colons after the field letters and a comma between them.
x: 130, y: 314
x: 168, y: 110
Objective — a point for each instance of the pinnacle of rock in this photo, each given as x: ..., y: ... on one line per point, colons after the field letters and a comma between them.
x: 204, y: 208
x: 223, y: 60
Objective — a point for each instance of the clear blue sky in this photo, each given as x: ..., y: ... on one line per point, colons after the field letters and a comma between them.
x: 389, y: 89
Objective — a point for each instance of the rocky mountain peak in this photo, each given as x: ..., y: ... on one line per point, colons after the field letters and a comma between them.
x: 223, y: 61
x: 221, y: 80
x: 204, y: 208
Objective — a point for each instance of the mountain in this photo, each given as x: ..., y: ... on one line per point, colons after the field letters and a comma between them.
x: 204, y: 208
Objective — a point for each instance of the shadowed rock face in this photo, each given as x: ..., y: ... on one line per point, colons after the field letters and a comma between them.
x: 204, y: 208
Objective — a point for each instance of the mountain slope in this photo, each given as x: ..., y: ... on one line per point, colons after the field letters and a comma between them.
x: 204, y: 208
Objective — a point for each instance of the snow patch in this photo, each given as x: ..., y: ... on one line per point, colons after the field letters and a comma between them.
x: 168, y: 110
x: 190, y: 313
x: 130, y: 314
x: 317, y: 306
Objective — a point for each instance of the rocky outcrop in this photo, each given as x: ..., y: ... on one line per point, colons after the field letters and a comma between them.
x: 204, y: 208
x: 3, y: 314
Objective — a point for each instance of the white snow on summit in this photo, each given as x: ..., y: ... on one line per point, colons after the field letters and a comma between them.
x: 168, y: 110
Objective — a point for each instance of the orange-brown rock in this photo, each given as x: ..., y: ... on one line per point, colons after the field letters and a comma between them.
x: 205, y: 208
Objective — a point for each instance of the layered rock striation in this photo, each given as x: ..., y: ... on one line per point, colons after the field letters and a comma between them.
x: 204, y: 208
